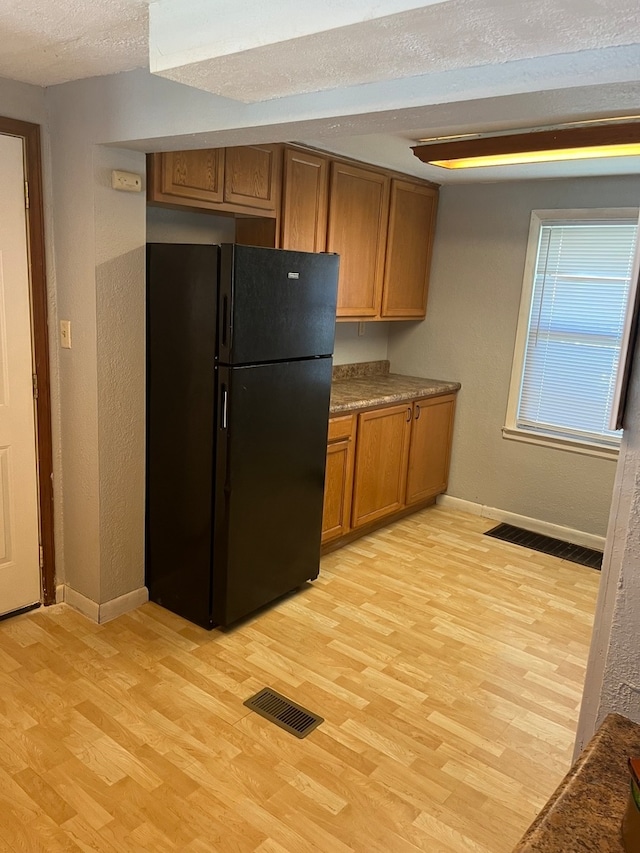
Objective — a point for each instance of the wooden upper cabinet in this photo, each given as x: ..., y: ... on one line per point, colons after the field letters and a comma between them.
x: 382, y: 450
x: 224, y: 180
x: 194, y: 178
x: 357, y: 229
x: 304, y: 201
x: 252, y: 176
x: 412, y: 217
x: 430, y: 451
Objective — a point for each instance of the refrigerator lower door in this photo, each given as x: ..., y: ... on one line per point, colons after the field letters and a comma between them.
x: 271, y: 449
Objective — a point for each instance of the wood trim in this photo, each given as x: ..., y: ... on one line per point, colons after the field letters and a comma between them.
x: 30, y: 133
x: 541, y: 140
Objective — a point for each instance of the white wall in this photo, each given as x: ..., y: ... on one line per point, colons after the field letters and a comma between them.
x: 180, y: 226
x: 120, y: 359
x: 371, y: 345
x: 612, y: 682
x: 22, y: 101
x: 469, y: 336
x: 27, y: 103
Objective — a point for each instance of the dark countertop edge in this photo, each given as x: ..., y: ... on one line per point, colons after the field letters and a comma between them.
x: 584, y: 786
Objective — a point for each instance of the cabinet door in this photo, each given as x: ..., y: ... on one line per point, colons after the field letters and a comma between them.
x: 412, y: 219
x: 431, y: 433
x: 358, y: 214
x: 338, y: 486
x: 381, y: 463
x: 304, y: 201
x: 189, y: 176
x: 252, y: 176
x: 338, y: 483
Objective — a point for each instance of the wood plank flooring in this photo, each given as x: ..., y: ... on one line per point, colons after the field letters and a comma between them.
x: 448, y: 667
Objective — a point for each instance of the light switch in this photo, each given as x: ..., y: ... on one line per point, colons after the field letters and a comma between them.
x: 65, y: 334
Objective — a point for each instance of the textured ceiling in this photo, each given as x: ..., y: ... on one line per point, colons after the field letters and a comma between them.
x: 373, y: 83
x: 45, y: 43
x: 455, y: 34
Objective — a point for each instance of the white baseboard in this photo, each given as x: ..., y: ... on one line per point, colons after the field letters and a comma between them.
x: 117, y: 606
x: 110, y: 609
x: 557, y: 531
x: 60, y: 593
x: 81, y: 603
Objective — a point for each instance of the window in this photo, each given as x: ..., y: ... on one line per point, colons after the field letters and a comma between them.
x: 572, y: 319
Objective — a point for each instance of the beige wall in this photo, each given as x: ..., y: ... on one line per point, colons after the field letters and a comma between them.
x: 371, y: 345
x: 181, y: 226
x: 469, y: 335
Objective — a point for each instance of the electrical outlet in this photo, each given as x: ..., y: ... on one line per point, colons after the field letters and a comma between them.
x: 65, y: 334
x: 129, y: 182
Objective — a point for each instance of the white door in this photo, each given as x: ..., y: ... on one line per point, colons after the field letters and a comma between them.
x: 19, y: 547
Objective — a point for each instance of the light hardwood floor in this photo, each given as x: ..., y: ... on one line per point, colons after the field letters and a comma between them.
x: 448, y: 667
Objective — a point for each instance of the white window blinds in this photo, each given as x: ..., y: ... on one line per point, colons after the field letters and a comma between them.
x: 580, y: 294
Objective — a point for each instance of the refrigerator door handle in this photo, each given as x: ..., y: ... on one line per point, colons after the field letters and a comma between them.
x: 224, y: 407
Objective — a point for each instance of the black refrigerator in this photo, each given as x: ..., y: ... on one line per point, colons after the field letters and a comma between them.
x: 239, y: 357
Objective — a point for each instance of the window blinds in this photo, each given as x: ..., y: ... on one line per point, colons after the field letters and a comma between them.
x: 580, y: 294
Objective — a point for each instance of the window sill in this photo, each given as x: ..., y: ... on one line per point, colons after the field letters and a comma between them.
x: 572, y: 445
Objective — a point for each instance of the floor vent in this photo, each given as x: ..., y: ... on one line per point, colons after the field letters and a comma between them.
x: 556, y: 547
x: 283, y: 712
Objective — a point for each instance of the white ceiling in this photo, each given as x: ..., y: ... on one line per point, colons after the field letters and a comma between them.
x: 565, y: 59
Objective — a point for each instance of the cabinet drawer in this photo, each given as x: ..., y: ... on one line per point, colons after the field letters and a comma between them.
x: 341, y: 427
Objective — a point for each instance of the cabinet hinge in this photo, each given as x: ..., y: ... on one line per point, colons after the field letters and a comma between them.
x: 35, y: 386
x: 26, y: 194
x: 41, y: 557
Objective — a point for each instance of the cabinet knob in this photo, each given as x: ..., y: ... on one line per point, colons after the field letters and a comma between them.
x: 417, y: 411
x: 408, y: 413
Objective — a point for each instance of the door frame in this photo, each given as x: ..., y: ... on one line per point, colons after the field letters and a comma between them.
x: 30, y: 134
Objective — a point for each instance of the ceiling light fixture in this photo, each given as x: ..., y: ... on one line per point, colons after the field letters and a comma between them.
x: 577, y: 142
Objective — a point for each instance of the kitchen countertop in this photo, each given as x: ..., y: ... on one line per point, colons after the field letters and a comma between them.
x: 584, y: 815
x: 369, y: 384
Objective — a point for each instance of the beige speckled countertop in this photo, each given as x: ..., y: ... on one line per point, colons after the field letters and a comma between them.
x: 584, y: 815
x: 369, y: 384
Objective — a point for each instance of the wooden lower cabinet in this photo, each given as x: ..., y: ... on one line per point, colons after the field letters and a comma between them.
x: 385, y: 463
x: 430, y: 451
x: 338, y: 483
x: 381, y: 463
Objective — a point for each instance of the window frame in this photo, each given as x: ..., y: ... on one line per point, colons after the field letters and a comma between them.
x: 511, y: 430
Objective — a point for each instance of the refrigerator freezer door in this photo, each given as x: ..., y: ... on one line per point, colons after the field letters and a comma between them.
x: 271, y: 449
x: 275, y: 305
